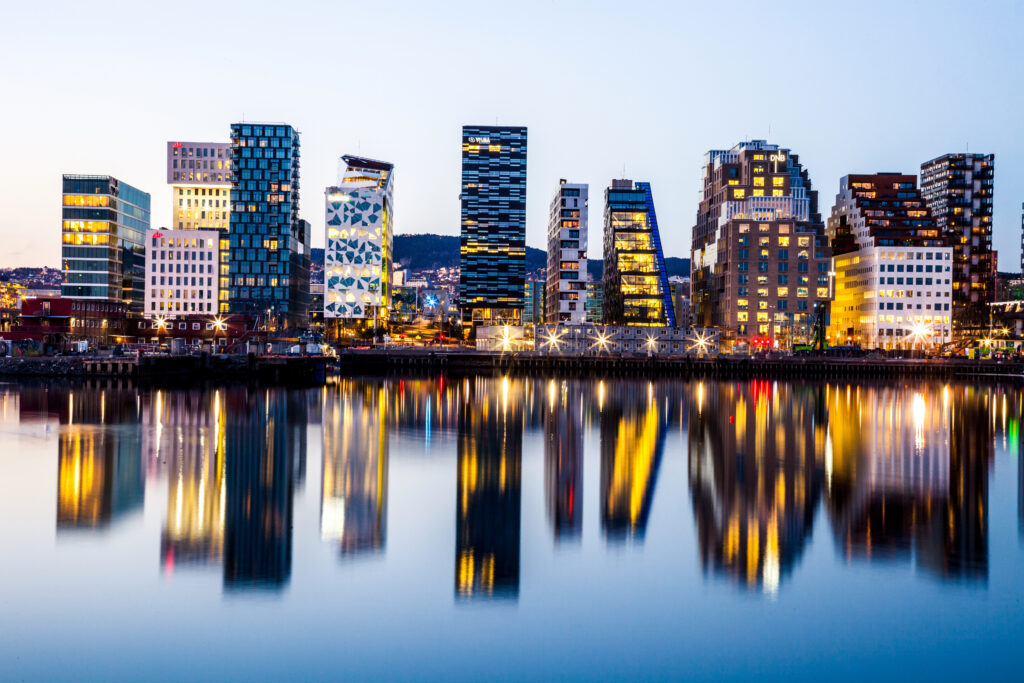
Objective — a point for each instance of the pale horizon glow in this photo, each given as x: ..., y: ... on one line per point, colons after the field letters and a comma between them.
x: 639, y: 90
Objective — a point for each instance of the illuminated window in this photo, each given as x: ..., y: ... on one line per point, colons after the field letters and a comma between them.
x: 762, y: 292
x: 744, y: 228
x: 822, y: 292
x: 801, y: 292
x: 758, y: 182
x: 739, y: 193
x: 762, y: 317
x: 741, y: 303
x: 764, y: 227
x: 757, y: 193
x: 783, y: 291
x: 778, y: 181
x: 783, y: 241
x: 742, y: 317
x: 762, y: 305
x: 803, y: 241
x: 776, y: 193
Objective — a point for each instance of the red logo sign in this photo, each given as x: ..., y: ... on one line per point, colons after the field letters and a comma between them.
x: 177, y: 145
x: 157, y: 235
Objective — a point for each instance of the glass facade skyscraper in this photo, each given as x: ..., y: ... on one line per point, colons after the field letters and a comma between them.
x: 636, y: 290
x: 104, y: 223
x: 493, y: 237
x: 268, y: 263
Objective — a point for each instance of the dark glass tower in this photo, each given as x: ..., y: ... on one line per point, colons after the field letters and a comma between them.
x: 636, y: 290
x: 493, y: 244
x: 103, y: 240
x: 268, y: 265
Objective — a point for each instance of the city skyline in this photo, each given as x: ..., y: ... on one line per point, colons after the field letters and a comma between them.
x: 880, y: 127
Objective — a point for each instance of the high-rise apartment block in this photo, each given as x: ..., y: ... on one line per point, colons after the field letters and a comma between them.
x: 360, y: 233
x: 268, y: 262
x: 103, y: 233
x: 760, y: 258
x: 892, y: 266
x: 635, y: 282
x: 958, y: 189
x: 182, y: 272
x: 567, y: 255
x: 199, y: 174
x: 492, y: 248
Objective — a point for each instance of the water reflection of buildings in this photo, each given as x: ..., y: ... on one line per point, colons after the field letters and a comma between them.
x: 99, y: 464
x: 186, y: 430
x: 353, y: 503
x: 490, y: 449
x: 260, y: 465
x: 563, y: 459
x: 908, y: 476
x: 755, y: 469
x: 633, y: 434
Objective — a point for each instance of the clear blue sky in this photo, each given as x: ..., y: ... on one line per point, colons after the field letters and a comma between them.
x: 647, y: 86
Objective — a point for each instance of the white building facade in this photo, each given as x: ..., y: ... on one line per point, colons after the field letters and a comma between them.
x: 360, y: 232
x: 199, y: 174
x: 566, y: 295
x: 181, y: 272
x: 893, y: 279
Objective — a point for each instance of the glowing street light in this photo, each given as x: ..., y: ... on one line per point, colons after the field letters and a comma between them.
x: 506, y: 339
x: 553, y: 339
x: 601, y: 342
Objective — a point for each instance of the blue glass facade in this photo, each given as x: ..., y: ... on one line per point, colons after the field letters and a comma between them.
x: 103, y: 227
x: 634, y: 279
x: 493, y: 236
x: 268, y: 262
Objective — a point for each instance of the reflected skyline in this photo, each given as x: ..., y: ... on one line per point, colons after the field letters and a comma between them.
x: 490, y: 453
x: 353, y: 503
x: 632, y: 442
x: 755, y: 472
x: 901, y: 473
x: 563, y: 459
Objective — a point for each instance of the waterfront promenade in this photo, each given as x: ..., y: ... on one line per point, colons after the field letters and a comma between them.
x: 464, y: 361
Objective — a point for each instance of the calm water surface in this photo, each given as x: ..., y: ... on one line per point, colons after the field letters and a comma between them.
x: 504, y: 528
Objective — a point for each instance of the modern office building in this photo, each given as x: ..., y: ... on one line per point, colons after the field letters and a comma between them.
x: 760, y: 257
x: 268, y: 260
x: 533, y: 302
x: 103, y: 233
x: 493, y: 234
x: 360, y: 232
x: 634, y: 279
x: 181, y: 272
x: 1022, y: 238
x: 199, y: 174
x: 958, y: 190
x: 892, y: 266
x: 567, y: 255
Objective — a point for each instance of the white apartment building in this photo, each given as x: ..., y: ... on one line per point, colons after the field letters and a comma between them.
x: 893, y: 271
x: 199, y: 174
x: 566, y: 295
x: 181, y: 272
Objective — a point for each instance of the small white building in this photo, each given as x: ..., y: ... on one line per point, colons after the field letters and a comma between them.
x: 181, y: 272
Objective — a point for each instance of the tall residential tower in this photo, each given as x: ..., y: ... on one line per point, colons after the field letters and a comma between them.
x: 567, y: 255
x: 760, y: 258
x: 360, y: 231
x: 103, y: 234
x: 634, y: 279
x: 493, y: 235
x: 268, y: 264
x: 958, y: 189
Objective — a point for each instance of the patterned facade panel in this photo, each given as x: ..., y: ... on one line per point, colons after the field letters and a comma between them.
x: 355, y: 256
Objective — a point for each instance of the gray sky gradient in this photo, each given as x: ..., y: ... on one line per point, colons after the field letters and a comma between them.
x: 603, y: 86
